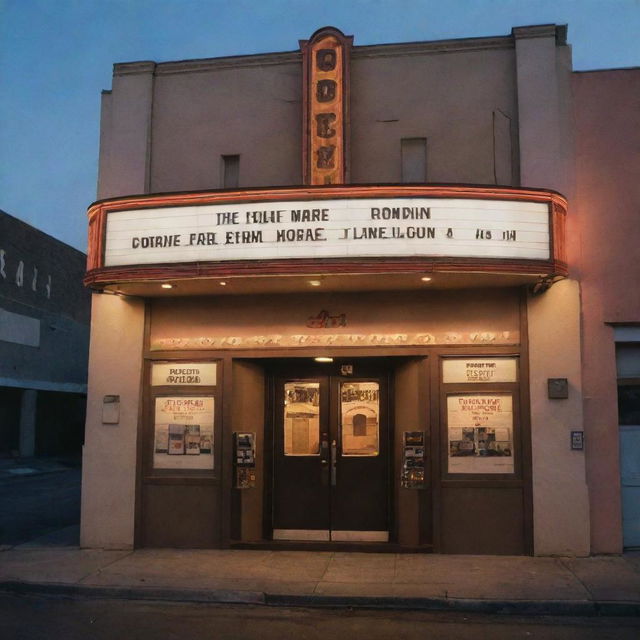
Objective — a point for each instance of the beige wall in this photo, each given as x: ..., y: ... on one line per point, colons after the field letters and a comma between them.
x: 387, y: 89
x: 560, y: 498
x: 459, y: 313
x: 125, y: 126
x: 165, y: 126
x: 109, y: 454
x: 238, y: 108
x: 543, y: 74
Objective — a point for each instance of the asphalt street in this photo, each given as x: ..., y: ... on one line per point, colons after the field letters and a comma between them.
x: 36, y: 617
x: 33, y: 506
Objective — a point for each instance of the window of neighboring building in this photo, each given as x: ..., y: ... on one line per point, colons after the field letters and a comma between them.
x: 628, y: 365
x: 628, y: 369
x: 414, y: 159
x: 230, y: 171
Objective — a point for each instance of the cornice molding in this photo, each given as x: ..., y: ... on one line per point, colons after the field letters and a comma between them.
x: 208, y: 64
x: 134, y: 68
x: 559, y: 32
x: 295, y: 57
x: 436, y: 46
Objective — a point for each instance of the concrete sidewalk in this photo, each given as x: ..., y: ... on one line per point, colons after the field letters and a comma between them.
x: 606, y: 585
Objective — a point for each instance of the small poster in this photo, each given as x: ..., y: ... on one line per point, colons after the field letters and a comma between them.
x: 183, y: 433
x: 177, y: 374
x: 480, y: 433
x: 479, y: 370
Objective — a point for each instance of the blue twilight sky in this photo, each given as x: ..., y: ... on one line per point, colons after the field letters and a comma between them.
x: 57, y: 55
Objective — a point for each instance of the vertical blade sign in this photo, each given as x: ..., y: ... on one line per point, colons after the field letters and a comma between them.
x: 325, y: 103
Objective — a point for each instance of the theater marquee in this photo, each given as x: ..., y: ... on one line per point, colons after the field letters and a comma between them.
x: 375, y: 225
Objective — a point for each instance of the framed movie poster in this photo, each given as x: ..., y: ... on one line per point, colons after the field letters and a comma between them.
x: 183, y: 432
x: 480, y: 433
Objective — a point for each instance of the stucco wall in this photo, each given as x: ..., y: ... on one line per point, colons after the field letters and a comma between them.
x: 560, y: 499
x: 604, y: 253
x: 165, y: 126
x: 125, y: 132
x: 109, y: 453
x: 543, y: 72
x: 449, y: 99
x: 251, y: 111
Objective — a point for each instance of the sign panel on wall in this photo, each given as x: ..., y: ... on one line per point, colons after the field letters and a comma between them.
x: 183, y: 432
x: 177, y: 374
x: 479, y: 370
x: 480, y: 433
x: 338, y: 228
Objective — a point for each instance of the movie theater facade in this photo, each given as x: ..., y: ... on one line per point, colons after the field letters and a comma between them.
x: 337, y: 313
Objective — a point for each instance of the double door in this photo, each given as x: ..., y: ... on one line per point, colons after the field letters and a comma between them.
x: 331, y: 459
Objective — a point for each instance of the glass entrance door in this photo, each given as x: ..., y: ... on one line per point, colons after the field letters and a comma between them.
x: 330, y: 459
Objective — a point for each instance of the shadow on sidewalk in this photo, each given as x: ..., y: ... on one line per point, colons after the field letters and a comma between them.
x: 66, y: 537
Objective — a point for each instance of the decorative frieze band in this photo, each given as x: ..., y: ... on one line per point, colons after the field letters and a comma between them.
x: 335, y: 340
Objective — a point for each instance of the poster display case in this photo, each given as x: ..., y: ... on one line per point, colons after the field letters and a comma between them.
x: 183, y: 432
x: 480, y: 433
x: 413, y: 460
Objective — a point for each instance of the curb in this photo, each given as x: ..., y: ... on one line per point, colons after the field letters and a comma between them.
x: 222, y: 596
x: 468, y: 605
x: 213, y: 596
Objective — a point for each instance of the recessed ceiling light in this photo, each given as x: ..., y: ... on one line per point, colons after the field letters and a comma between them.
x: 315, y: 283
x: 323, y: 359
x: 166, y: 285
x: 426, y: 278
x: 222, y: 283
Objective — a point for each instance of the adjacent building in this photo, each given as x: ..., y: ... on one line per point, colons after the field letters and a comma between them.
x: 605, y: 256
x: 346, y: 297
x: 44, y: 342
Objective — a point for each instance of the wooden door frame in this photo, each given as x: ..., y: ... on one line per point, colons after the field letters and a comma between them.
x: 274, y: 372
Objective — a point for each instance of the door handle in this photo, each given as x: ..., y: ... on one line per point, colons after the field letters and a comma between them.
x: 334, y: 456
x: 324, y: 452
x: 325, y: 460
